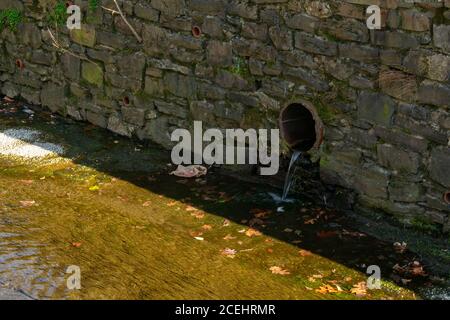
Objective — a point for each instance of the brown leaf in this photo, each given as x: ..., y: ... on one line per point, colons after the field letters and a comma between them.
x: 327, y: 289
x: 27, y: 203
x: 400, y: 247
x: 26, y: 181
x: 76, y: 244
x: 359, y: 289
x: 198, y: 215
x: 260, y: 213
x: 252, y: 233
x: 207, y: 227
x: 305, y: 253
x: 326, y: 234
x: 147, y: 204
x: 255, y: 221
x: 230, y: 253
x: 229, y: 237
x: 279, y: 270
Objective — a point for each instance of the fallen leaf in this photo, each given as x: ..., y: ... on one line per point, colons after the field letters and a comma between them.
x: 326, y: 234
x: 279, y: 270
x: 230, y: 253
x: 198, y: 215
x: 76, y: 244
x: 27, y: 203
x: 229, y: 237
x: 360, y: 289
x: 226, y: 223
x: 190, y: 209
x: 260, y: 213
x: 252, y: 233
x: 255, y: 221
x: 305, y: 253
x: 207, y: 227
x: 171, y: 204
x: 199, y: 238
x: 147, y: 204
x: 94, y: 188
x: 326, y: 289
x: 310, y: 221
x: 26, y: 181
x: 400, y: 247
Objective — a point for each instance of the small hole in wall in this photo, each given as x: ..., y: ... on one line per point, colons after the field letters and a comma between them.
x: 196, y: 31
x: 126, y: 101
x: 447, y: 197
x: 19, y: 64
x: 258, y: 84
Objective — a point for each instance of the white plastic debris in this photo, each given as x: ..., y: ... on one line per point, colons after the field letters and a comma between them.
x: 190, y: 171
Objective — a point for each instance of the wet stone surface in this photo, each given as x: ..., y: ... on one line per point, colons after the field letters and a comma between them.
x: 109, y: 206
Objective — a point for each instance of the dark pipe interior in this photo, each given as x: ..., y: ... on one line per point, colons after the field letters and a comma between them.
x: 447, y: 197
x: 298, y: 127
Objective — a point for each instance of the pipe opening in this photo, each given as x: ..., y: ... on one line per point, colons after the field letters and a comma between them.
x: 196, y: 31
x: 20, y: 64
x: 126, y: 101
x: 447, y: 197
x: 301, y: 126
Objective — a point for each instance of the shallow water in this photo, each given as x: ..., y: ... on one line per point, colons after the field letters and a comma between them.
x: 138, y: 233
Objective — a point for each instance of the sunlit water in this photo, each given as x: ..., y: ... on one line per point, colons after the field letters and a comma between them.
x: 138, y: 233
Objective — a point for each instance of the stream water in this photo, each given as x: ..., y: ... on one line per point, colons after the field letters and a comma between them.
x: 109, y: 206
x: 290, y: 174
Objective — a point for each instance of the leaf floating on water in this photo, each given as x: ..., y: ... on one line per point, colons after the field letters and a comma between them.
x: 360, y: 289
x: 229, y: 237
x: 327, y: 289
x: 310, y: 221
x: 26, y: 181
x: 260, y: 213
x: 198, y: 215
x: 255, y: 221
x: 279, y: 270
x: 27, y: 203
x: 230, y: 253
x: 252, y: 233
x: 305, y: 253
x: 326, y: 234
x: 94, y: 188
x: 400, y: 247
x: 147, y: 204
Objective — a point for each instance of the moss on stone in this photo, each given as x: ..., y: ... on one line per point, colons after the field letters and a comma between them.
x: 92, y: 73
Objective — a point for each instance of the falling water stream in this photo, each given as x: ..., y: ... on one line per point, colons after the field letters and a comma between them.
x: 290, y: 175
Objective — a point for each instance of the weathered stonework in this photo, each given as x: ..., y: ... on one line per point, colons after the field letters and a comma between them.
x: 383, y: 95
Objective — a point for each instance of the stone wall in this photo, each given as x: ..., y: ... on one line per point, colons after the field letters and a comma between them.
x: 383, y: 95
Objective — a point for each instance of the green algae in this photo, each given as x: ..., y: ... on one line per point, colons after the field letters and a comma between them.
x: 134, y: 235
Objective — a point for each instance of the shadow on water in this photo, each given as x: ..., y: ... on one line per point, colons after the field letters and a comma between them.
x: 305, y: 225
